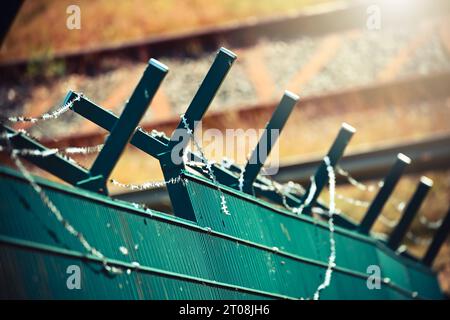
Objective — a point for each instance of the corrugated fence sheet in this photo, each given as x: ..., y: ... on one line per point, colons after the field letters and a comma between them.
x: 257, y: 252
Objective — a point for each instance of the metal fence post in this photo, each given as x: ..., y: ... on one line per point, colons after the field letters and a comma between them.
x: 334, y: 154
x: 411, y: 209
x: 124, y: 128
x: 439, y: 238
x: 383, y: 194
x: 179, y: 197
x: 264, y: 146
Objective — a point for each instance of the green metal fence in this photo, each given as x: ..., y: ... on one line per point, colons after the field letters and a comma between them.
x: 225, y: 257
x: 223, y: 242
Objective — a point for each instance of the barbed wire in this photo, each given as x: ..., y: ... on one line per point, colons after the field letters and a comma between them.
x: 241, y: 179
x: 52, y: 151
x: 354, y: 182
x: 433, y: 225
x: 311, y: 191
x: 417, y: 240
x: 352, y: 201
x: 332, y: 257
x: 398, y: 205
x: 391, y: 223
x: 47, y: 116
x: 223, y: 202
x: 57, y: 213
x: 147, y: 185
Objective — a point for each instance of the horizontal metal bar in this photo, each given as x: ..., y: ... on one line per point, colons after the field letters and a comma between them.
x: 55, y: 164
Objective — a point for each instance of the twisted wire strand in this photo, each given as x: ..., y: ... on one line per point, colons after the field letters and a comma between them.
x: 51, y: 151
x: 147, y: 185
x: 353, y: 181
x: 332, y: 206
x: 47, y: 116
x: 57, y: 213
x: 223, y: 202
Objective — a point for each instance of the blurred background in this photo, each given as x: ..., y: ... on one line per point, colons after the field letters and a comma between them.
x: 381, y: 66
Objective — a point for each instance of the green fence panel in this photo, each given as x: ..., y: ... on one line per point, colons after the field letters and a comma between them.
x: 180, y: 259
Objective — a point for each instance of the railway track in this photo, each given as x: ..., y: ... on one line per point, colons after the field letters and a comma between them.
x: 412, y: 90
x: 333, y: 17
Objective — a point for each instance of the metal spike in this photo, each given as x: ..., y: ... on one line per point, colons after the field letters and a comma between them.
x: 439, y: 238
x: 334, y: 154
x: 383, y: 194
x: 264, y: 146
x: 410, y: 212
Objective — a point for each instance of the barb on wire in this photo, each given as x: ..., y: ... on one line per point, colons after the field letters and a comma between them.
x: 390, y: 223
x: 421, y: 241
x: 352, y: 201
x: 48, y: 152
x: 146, y: 185
x: 433, y: 225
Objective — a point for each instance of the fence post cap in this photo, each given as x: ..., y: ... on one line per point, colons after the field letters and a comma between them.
x: 427, y: 181
x: 348, y: 127
x: 229, y: 53
x: 404, y: 158
x: 161, y: 66
x: 291, y: 95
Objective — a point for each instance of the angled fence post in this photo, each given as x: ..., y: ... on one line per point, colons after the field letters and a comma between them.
x: 124, y: 128
x: 179, y: 197
x: 334, y: 154
x: 264, y: 146
x: 383, y: 194
x: 439, y: 238
x: 410, y: 212
x: 162, y: 148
